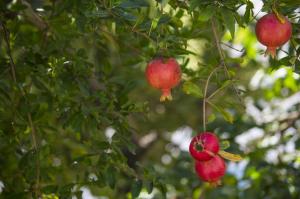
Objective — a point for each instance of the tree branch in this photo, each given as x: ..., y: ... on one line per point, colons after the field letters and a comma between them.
x: 29, y: 117
x: 222, y: 57
x: 11, y: 61
x: 204, y: 97
x: 33, y: 17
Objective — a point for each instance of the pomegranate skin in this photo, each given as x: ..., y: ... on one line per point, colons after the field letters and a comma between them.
x: 212, y: 170
x: 163, y: 74
x: 273, y: 33
x: 204, y: 146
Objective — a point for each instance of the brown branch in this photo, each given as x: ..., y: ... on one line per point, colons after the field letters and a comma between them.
x: 29, y: 117
x: 11, y: 61
x: 33, y: 17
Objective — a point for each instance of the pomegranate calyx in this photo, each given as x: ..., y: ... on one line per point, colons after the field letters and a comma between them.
x: 271, y: 51
x: 166, y: 95
x: 215, y: 184
x: 165, y: 98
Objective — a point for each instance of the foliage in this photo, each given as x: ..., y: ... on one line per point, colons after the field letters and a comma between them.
x: 76, y: 111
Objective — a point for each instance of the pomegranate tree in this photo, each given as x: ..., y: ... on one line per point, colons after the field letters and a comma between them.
x: 163, y: 74
x: 212, y: 170
x: 204, y: 146
x: 273, y: 31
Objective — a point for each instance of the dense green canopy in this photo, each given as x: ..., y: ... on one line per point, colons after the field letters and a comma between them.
x: 77, y: 114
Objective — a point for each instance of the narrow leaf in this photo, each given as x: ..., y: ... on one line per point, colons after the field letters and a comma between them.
x: 226, y: 114
x: 149, y: 186
x: 230, y: 156
x: 206, y: 13
x: 136, y: 188
x: 229, y: 20
x: 249, y: 11
x: 192, y: 89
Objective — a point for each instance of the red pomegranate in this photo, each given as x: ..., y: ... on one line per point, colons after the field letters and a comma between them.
x: 212, y: 170
x: 273, y: 32
x: 204, y: 146
x: 163, y: 74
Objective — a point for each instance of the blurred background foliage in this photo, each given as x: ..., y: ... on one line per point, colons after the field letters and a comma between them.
x: 77, y: 117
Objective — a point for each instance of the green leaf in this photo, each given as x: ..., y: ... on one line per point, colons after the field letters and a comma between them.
x: 163, y: 189
x: 110, y: 176
x: 192, y: 89
x: 226, y: 114
x: 149, y: 186
x: 249, y: 11
x: 102, y: 14
x: 206, y: 13
x: 211, y: 118
x: 136, y: 188
x: 103, y: 145
x: 134, y: 4
x: 229, y: 20
x: 18, y: 7
x: 225, y: 144
x: 225, y: 84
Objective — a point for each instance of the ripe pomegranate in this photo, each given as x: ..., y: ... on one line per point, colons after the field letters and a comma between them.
x: 163, y: 74
x: 212, y: 170
x: 204, y: 146
x: 272, y: 32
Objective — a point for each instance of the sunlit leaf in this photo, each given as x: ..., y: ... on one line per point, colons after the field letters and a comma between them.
x: 192, y: 89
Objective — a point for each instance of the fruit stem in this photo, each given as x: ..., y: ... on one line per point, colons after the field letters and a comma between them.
x: 278, y: 15
x: 205, y: 99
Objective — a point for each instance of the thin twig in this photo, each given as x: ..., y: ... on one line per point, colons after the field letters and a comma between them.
x: 283, y: 51
x: 204, y: 98
x: 11, y: 61
x: 254, y: 17
x: 35, y: 146
x: 216, y: 91
x: 216, y: 38
x: 33, y: 17
x: 222, y: 57
x: 33, y: 130
x: 229, y: 46
x: 142, y: 34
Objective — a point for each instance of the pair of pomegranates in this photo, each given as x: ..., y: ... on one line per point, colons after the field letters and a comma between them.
x: 209, y: 166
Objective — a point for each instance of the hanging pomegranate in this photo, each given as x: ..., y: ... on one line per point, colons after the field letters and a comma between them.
x: 163, y: 74
x: 204, y: 146
x: 273, y: 31
x: 212, y: 170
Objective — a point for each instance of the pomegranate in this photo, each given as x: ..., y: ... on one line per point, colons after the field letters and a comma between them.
x: 163, y: 74
x: 204, y: 146
x: 212, y: 170
x: 273, y: 32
